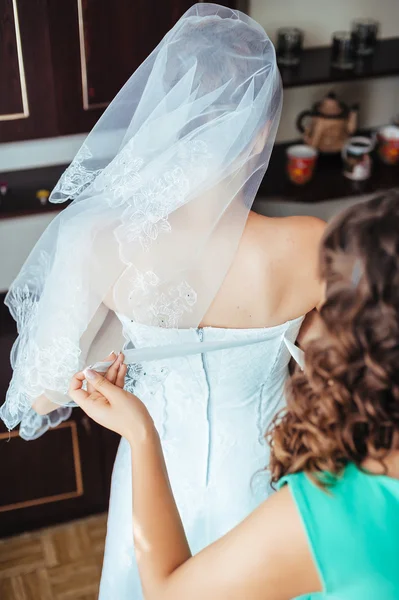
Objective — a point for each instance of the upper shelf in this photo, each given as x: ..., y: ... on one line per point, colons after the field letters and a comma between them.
x: 315, y: 66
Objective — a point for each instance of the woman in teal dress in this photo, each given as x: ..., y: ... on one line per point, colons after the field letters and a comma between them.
x: 331, y: 531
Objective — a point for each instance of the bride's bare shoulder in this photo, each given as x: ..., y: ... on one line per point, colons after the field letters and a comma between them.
x: 290, y: 247
x: 304, y: 232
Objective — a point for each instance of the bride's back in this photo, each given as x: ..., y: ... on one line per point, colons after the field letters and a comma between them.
x: 273, y: 278
x: 274, y: 275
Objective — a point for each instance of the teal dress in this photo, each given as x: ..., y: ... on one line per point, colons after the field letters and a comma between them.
x: 353, y: 534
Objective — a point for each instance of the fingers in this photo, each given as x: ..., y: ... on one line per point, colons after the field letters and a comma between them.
x: 112, y: 372
x: 102, y: 385
x: 120, y: 379
x: 76, y: 392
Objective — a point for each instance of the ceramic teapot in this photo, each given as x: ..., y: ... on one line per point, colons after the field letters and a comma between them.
x: 329, y: 124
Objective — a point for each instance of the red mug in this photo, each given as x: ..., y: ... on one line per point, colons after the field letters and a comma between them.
x: 388, y: 144
x: 301, y: 163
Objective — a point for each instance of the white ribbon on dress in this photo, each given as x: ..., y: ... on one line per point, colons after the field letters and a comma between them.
x: 138, y: 355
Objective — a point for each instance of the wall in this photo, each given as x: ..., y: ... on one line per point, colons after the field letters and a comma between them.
x: 15, y: 156
x: 379, y: 99
x: 17, y: 238
x: 319, y: 18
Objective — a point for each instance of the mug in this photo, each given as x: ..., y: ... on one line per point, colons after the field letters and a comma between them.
x: 301, y: 163
x: 388, y: 144
x: 356, y: 157
x: 289, y: 46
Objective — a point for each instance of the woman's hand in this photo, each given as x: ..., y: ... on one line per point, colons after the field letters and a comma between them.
x: 113, y: 374
x: 108, y: 404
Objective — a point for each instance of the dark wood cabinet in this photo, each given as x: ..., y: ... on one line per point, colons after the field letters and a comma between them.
x: 61, y: 63
x: 27, y: 103
x: 63, y: 475
x: 105, y: 41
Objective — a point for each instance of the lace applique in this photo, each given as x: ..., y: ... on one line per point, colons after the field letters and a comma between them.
x: 150, y: 202
x: 169, y: 307
x: 161, y: 308
x: 120, y: 179
x: 76, y: 178
x: 143, y: 379
x: 142, y: 285
x: 23, y: 306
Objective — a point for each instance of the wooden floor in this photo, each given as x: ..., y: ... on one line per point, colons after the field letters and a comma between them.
x: 59, y: 563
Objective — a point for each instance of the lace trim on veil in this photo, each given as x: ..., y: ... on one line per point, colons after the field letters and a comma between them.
x: 146, y: 207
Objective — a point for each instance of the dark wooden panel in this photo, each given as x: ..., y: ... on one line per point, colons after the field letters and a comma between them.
x: 63, y: 475
x: 35, y: 51
x: 106, y: 42
x: 46, y: 480
x: 44, y: 476
x: 12, y: 77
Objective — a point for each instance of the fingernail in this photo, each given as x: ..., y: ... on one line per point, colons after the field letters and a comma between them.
x: 90, y: 374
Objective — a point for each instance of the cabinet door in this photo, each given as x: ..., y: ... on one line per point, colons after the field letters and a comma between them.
x: 97, y: 45
x: 63, y: 475
x: 27, y: 108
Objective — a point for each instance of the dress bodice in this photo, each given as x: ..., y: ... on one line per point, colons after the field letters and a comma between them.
x: 239, y: 370
x: 200, y: 401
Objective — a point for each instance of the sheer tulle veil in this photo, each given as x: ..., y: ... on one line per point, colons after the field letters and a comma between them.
x: 160, y: 190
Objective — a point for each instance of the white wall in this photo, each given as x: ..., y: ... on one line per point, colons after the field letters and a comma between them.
x: 319, y: 18
x: 15, y: 156
x: 379, y: 98
x: 17, y: 238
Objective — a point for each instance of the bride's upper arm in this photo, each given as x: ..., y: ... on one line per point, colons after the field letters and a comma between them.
x: 252, y: 561
x: 43, y: 405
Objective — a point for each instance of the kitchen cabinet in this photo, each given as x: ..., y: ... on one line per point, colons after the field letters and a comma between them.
x: 61, y: 63
x: 63, y: 475
x: 27, y: 103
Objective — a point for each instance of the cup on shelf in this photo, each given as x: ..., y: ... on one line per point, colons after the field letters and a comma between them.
x: 43, y: 196
x: 301, y: 162
x: 343, y: 51
x: 356, y: 157
x: 289, y: 46
x: 388, y: 144
x: 364, y: 36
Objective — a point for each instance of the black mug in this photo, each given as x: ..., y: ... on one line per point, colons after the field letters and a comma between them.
x: 289, y: 46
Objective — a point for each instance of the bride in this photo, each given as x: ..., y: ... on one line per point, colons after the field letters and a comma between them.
x: 160, y: 243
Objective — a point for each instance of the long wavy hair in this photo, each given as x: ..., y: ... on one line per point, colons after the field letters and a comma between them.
x: 345, y: 406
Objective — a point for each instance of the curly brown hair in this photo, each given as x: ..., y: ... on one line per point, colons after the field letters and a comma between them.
x: 345, y: 406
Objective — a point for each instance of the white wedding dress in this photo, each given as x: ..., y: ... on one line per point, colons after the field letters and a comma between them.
x: 211, y: 411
